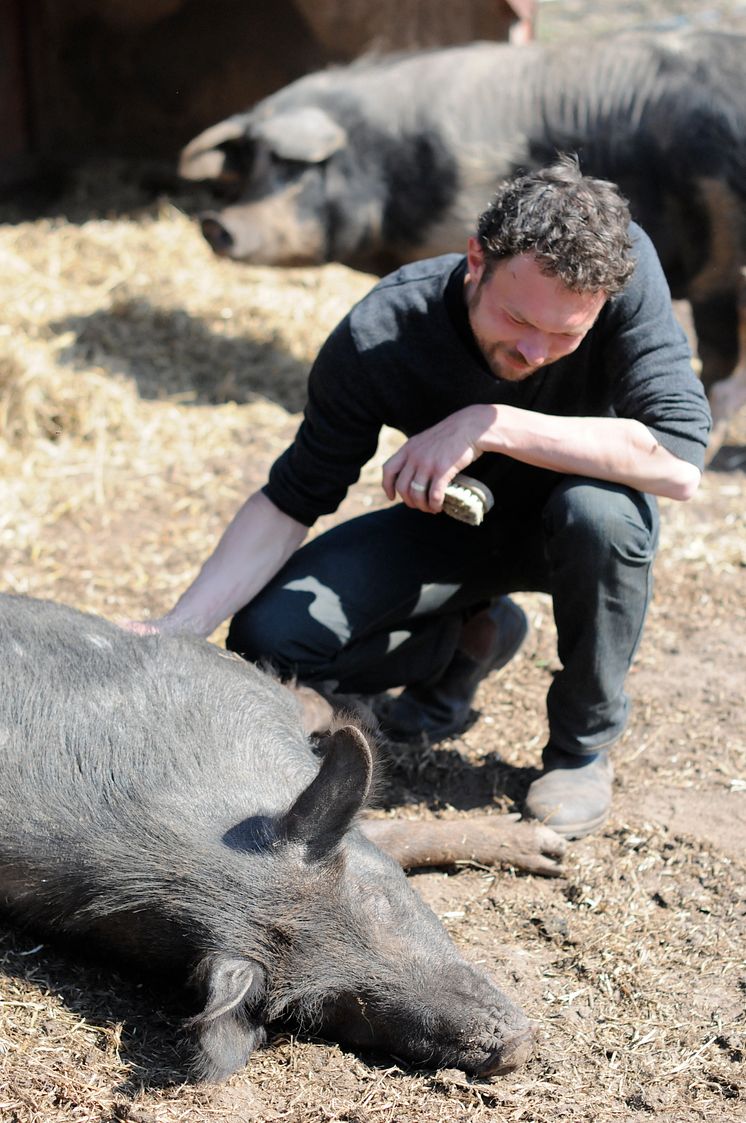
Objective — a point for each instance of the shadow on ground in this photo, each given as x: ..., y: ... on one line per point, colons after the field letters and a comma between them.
x: 730, y: 458
x: 136, y: 1021
x: 170, y: 353
x: 440, y: 777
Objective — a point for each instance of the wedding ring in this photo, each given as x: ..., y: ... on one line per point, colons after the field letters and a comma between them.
x: 414, y: 486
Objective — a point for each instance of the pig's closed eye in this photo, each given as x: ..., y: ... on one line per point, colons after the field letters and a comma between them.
x: 289, y: 169
x: 225, y: 191
x: 378, y: 907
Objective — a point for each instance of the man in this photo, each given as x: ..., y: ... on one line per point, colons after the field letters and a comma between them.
x: 548, y: 363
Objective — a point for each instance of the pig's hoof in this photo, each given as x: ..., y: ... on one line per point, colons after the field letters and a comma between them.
x: 527, y: 845
x: 546, y: 853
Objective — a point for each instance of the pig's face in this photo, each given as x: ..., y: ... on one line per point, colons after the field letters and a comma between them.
x: 352, y: 951
x: 410, y: 993
x: 466, y: 1023
x: 278, y: 218
x: 290, y: 196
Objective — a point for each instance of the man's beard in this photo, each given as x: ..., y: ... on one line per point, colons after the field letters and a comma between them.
x: 505, y: 363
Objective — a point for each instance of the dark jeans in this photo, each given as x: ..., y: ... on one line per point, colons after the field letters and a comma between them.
x: 379, y: 601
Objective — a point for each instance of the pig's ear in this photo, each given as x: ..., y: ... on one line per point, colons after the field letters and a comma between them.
x: 203, y: 158
x: 324, y: 811
x: 227, y: 1030
x: 308, y: 134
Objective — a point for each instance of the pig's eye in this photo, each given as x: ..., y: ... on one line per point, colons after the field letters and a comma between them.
x: 377, y: 906
x: 289, y: 169
x: 226, y: 191
x: 239, y: 157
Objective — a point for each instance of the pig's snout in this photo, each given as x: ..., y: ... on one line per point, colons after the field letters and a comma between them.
x: 219, y: 238
x: 511, y: 1054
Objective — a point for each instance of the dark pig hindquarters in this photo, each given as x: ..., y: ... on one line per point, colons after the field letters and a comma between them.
x: 159, y: 799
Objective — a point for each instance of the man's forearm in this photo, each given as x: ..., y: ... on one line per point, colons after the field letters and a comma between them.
x: 254, y: 546
x: 620, y: 450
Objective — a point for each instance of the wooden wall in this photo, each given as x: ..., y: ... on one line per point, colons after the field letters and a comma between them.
x: 141, y: 77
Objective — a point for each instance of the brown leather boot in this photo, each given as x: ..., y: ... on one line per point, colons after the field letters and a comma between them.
x: 573, y: 793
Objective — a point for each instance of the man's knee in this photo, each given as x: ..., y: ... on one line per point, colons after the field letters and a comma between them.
x: 297, y: 627
x: 254, y: 635
x: 588, y: 515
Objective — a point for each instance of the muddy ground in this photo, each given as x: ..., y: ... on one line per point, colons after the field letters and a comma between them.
x: 145, y: 388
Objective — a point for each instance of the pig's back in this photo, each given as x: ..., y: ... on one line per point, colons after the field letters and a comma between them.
x: 100, y: 725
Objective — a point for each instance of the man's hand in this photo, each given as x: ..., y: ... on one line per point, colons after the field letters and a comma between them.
x: 619, y: 449
x: 423, y: 467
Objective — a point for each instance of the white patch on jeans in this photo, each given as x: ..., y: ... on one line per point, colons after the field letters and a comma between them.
x: 325, y: 607
x: 396, y: 639
x: 433, y: 596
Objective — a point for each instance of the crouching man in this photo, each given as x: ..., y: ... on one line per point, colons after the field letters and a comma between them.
x: 546, y: 362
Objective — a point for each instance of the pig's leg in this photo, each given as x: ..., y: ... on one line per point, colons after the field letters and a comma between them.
x: 728, y: 396
x: 320, y: 711
x: 317, y: 714
x: 490, y: 840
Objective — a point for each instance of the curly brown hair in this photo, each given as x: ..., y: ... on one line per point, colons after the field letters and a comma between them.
x: 575, y: 226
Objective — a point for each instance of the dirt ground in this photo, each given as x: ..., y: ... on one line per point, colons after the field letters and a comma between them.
x: 145, y: 388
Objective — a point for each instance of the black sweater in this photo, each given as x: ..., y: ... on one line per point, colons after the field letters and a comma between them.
x: 405, y: 357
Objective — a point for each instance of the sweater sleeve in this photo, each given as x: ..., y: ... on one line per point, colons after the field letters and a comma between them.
x: 338, y: 435
x: 651, y: 369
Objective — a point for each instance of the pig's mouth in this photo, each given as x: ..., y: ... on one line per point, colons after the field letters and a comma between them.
x: 493, y: 1051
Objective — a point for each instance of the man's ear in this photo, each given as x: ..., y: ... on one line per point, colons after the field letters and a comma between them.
x: 475, y: 260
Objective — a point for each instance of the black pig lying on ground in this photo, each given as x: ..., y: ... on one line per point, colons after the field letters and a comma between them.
x: 161, y: 801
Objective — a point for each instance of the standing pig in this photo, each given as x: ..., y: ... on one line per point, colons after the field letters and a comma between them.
x: 159, y: 800
x: 381, y: 162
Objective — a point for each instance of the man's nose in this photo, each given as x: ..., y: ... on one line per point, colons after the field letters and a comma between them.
x: 534, y: 348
